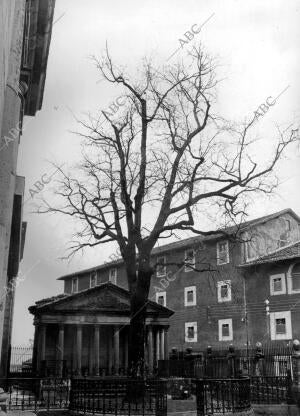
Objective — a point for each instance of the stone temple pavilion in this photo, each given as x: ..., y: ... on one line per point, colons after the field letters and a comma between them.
x: 86, y: 333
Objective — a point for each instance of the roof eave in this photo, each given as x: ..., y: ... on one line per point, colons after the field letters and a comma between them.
x: 161, y: 250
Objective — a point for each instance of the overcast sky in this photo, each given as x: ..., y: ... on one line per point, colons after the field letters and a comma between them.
x: 257, y: 45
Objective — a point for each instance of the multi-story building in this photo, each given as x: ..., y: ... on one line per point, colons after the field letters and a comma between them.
x: 25, y: 33
x: 273, y: 294
x: 217, y: 285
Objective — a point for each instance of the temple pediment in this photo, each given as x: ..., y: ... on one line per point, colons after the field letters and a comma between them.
x: 107, y: 298
x: 96, y: 300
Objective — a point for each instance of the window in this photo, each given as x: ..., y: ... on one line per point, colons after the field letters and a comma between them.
x: 191, y: 332
x: 189, y: 259
x: 113, y: 276
x: 222, y: 252
x: 277, y: 284
x: 93, y: 279
x: 288, y: 224
x: 252, y: 246
x: 75, y: 285
x: 293, y: 278
x: 224, y: 291
x: 225, y: 330
x: 280, y: 325
x: 190, y: 296
x: 161, y: 298
x: 161, y: 268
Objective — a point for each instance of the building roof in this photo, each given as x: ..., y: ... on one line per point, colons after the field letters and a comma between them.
x: 34, y: 71
x: 291, y: 251
x: 187, y: 242
x: 106, y: 297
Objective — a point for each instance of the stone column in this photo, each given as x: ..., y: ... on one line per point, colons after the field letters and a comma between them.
x: 116, y: 349
x: 60, y: 348
x: 166, y: 352
x: 162, y: 344
x: 126, y: 340
x: 91, y: 357
x: 79, y: 348
x: 35, y: 349
x: 42, y: 348
x: 150, y: 349
x: 157, y: 345
x: 109, y: 353
x: 96, y: 349
x: 43, y: 342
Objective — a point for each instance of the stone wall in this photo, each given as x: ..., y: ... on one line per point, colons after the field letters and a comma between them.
x: 11, y: 35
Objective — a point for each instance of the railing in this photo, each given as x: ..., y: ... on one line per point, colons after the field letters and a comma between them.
x: 222, y: 396
x: 177, y: 368
x: 271, y: 390
x: 267, y: 361
x: 36, y: 393
x: 118, y: 396
x: 64, y: 368
x: 21, y: 360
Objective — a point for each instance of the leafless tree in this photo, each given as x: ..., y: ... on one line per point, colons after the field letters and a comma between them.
x: 158, y: 165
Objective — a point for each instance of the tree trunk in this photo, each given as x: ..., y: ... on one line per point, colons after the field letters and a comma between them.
x: 138, y: 301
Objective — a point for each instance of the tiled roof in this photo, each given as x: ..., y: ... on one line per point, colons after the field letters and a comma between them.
x: 51, y: 299
x: 191, y: 241
x: 291, y: 251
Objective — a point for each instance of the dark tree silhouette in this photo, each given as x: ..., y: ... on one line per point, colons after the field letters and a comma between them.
x: 158, y: 165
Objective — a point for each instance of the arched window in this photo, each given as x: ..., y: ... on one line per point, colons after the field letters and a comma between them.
x: 294, y: 278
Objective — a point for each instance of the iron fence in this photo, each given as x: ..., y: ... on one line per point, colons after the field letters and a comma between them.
x: 65, y: 368
x: 269, y: 368
x: 20, y: 360
x: 36, y: 393
x: 272, y: 361
x: 118, y: 396
x: 271, y: 390
x: 178, y: 368
x: 222, y: 396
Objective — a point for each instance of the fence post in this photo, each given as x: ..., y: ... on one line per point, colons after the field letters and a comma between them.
x: 209, y: 362
x: 200, y: 397
x: 296, y: 371
x: 231, y: 361
x: 258, y: 360
x: 190, y: 372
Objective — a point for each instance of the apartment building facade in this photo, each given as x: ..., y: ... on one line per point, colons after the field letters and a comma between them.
x: 216, y: 285
x: 25, y: 33
x: 273, y: 291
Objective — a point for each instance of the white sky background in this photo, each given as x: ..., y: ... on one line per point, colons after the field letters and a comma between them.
x: 257, y: 45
